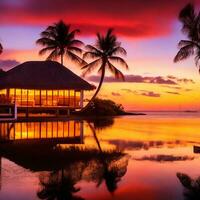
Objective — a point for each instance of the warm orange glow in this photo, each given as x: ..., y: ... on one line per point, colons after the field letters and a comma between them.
x: 24, y: 97
x: 39, y: 130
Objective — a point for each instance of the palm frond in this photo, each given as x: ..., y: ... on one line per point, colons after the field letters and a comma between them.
x: 119, y: 50
x: 183, y: 43
x: 190, y: 21
x: 46, y: 49
x: 90, y: 67
x: 90, y: 55
x: 185, y: 180
x: 119, y: 60
x: 117, y: 73
x: 73, y: 57
x: 75, y: 50
x: 76, y: 43
x: 1, y: 48
x: 92, y: 49
x: 46, y: 41
x: 53, y: 55
x: 184, y: 52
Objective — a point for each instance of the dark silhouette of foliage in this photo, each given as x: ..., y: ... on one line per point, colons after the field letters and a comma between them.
x: 191, y: 186
x: 58, y: 187
x: 59, y: 40
x: 1, y: 48
x: 191, y: 28
x: 104, y: 107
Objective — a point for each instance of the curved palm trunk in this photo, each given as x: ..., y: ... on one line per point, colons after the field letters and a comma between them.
x: 98, y: 89
x: 61, y: 59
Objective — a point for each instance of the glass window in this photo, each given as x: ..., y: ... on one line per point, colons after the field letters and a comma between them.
x: 49, y: 97
x: 37, y: 97
x: 43, y: 97
x: 24, y: 97
x: 18, y: 96
x: 31, y: 100
x: 55, y: 98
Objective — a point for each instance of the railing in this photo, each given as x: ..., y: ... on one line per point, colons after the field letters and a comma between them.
x: 8, y: 112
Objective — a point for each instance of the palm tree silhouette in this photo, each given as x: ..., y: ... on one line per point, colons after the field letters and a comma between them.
x: 191, y: 28
x: 104, y: 54
x: 192, y: 187
x: 59, y: 40
x: 1, y: 48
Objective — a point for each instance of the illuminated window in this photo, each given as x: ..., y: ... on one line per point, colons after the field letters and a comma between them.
x: 37, y: 97
x: 43, y: 97
x: 55, y: 98
x: 18, y: 97
x: 49, y: 97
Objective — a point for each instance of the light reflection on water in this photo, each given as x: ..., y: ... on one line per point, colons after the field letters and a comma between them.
x: 131, y: 157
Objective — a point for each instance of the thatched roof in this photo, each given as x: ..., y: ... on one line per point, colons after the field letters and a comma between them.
x: 43, y: 75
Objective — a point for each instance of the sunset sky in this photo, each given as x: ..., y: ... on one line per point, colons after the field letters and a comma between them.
x: 148, y: 30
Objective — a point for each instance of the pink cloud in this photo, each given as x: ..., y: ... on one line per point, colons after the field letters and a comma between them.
x: 130, y: 18
x: 116, y: 94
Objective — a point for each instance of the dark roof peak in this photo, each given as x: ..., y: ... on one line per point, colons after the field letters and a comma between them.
x: 43, y: 75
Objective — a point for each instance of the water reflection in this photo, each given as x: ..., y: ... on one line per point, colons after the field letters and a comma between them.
x: 191, y: 186
x: 56, y: 150
x: 128, y: 158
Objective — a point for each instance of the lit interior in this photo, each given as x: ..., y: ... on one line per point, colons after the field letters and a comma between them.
x: 32, y: 98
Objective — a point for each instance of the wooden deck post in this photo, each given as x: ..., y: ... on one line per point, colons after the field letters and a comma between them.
x: 81, y: 99
x: 81, y: 132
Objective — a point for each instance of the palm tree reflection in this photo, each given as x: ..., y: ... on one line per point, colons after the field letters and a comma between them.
x: 104, y: 166
x: 111, y: 174
x: 191, y: 186
x: 58, y: 187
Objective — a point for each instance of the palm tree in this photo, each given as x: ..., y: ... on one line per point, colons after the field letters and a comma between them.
x: 1, y: 48
x: 191, y: 28
x: 104, y: 54
x: 59, y: 40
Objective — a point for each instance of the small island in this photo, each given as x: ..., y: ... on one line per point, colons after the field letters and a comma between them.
x: 105, y: 107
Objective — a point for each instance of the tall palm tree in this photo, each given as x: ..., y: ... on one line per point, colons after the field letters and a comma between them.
x: 191, y: 28
x: 104, y: 54
x: 59, y: 40
x: 1, y: 48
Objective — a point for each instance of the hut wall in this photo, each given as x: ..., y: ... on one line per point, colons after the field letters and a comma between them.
x: 49, y: 98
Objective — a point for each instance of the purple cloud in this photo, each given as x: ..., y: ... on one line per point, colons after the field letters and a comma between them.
x: 169, y: 80
x: 8, y: 64
x: 150, y: 94
x: 142, y: 92
x: 180, y: 80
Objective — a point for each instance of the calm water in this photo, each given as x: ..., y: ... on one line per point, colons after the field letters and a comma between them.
x: 134, y: 157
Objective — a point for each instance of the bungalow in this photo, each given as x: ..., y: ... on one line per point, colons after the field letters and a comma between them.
x: 42, y: 85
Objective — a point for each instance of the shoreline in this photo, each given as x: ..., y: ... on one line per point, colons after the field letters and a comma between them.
x: 71, y: 117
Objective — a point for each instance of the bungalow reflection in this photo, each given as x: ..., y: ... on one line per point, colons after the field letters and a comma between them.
x: 41, y: 130
x: 61, y: 169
